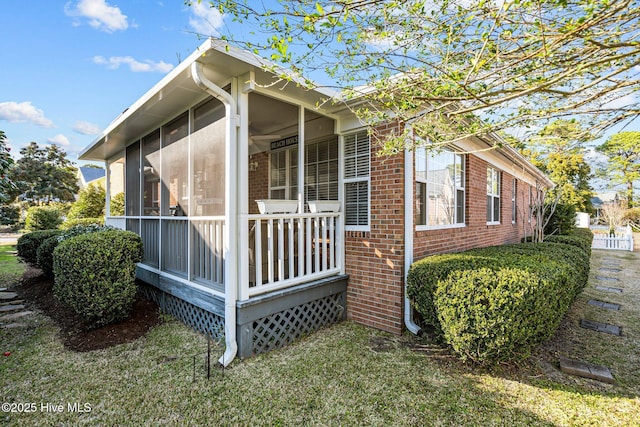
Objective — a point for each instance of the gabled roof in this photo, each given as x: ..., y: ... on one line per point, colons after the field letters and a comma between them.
x: 89, y: 174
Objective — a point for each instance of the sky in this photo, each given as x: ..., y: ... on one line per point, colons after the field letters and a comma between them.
x: 71, y: 67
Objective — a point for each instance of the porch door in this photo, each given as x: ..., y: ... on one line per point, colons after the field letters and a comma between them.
x: 320, y: 171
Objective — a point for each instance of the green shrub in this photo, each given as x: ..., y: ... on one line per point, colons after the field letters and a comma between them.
x: 45, y: 255
x: 45, y: 251
x: 70, y: 223
x: 42, y: 218
x: 495, y: 304
x: 29, y: 243
x: 95, y: 274
x: 562, y: 221
x: 90, y: 203
x: 574, y: 240
x: 632, y: 217
x: 117, y: 205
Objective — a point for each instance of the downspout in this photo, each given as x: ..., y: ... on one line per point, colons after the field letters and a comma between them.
x: 408, y: 238
x: 230, y: 263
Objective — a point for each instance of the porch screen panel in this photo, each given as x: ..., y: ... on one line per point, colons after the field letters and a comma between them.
x: 150, y: 234
x: 116, y: 187
x: 151, y: 174
x: 175, y: 170
x: 207, y: 160
x: 132, y: 180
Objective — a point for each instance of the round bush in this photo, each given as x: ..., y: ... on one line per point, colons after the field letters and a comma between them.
x: 42, y: 218
x: 95, y: 274
x: 29, y: 243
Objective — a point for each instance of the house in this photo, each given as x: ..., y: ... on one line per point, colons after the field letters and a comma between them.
x: 265, y: 212
x: 88, y: 175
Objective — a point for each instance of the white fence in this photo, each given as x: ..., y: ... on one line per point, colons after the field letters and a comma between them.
x: 621, y: 239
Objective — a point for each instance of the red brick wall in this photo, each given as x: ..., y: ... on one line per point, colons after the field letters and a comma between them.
x: 375, y: 259
x: 258, y: 180
x: 476, y: 232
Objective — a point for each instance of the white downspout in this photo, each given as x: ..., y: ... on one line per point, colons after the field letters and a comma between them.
x: 231, y: 258
x: 408, y: 237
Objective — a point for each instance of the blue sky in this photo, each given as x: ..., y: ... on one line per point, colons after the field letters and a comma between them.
x: 70, y: 67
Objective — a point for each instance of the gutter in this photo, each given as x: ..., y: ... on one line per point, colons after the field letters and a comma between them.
x: 408, y: 238
x: 231, y: 258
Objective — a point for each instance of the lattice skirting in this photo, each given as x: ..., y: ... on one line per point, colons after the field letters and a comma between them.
x: 281, y: 329
x: 199, y: 319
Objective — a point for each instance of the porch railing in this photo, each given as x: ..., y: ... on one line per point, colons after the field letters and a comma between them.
x: 289, y: 249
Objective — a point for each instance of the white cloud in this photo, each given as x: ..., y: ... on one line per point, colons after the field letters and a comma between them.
x: 86, y: 128
x: 101, y: 15
x: 136, y: 66
x: 23, y: 112
x: 205, y: 19
x: 59, y: 139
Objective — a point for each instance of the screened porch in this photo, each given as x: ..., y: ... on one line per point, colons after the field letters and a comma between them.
x: 172, y: 188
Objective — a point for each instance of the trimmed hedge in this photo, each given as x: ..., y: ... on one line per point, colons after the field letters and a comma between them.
x: 29, y: 243
x: 496, y: 304
x: 70, y: 223
x: 45, y: 255
x: 95, y: 274
x: 45, y: 250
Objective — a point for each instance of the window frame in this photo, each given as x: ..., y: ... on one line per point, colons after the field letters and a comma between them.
x: 357, y: 178
x: 424, y: 181
x: 494, y: 174
x: 514, y: 200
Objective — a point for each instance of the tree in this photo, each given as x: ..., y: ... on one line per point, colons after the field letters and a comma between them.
x: 6, y: 162
x: 44, y: 175
x: 558, y: 151
x: 623, y: 167
x: 90, y: 203
x: 442, y: 63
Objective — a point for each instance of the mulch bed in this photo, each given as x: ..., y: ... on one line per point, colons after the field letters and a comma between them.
x: 76, y: 335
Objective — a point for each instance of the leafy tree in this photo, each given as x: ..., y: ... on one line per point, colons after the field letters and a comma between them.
x: 558, y: 151
x: 44, y: 175
x: 90, y: 203
x: 6, y: 162
x: 441, y: 63
x: 117, y: 205
x: 623, y: 167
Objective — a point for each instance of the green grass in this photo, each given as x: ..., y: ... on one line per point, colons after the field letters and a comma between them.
x: 343, y: 375
x: 12, y: 268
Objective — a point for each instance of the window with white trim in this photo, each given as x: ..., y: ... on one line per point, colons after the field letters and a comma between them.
x: 356, y: 178
x: 440, y: 188
x: 514, y: 201
x: 493, y: 195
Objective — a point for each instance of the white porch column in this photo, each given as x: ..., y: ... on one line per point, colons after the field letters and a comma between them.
x: 300, y: 159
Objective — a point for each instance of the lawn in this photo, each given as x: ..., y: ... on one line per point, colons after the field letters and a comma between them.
x: 343, y: 375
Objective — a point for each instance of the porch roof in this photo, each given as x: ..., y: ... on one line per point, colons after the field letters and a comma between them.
x: 177, y: 91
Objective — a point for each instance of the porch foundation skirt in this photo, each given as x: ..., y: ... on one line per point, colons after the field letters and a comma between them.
x: 264, y: 322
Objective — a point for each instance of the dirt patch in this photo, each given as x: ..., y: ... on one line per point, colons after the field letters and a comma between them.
x: 36, y: 290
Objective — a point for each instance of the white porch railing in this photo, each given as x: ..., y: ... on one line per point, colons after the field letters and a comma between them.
x: 117, y: 222
x: 622, y: 240
x: 289, y: 249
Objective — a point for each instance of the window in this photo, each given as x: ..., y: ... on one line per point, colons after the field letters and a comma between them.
x: 493, y: 195
x: 440, y: 188
x: 356, y: 178
x: 514, y: 201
